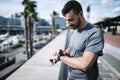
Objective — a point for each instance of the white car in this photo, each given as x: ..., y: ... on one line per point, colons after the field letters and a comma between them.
x: 4, y: 46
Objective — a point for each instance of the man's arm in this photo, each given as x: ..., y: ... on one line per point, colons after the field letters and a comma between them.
x: 83, y: 63
x: 67, y: 51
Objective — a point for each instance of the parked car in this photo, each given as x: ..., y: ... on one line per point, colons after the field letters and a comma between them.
x: 4, y: 45
x: 39, y: 46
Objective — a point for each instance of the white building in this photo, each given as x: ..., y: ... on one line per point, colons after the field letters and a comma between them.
x: 11, y: 25
x: 42, y: 29
x: 60, y: 22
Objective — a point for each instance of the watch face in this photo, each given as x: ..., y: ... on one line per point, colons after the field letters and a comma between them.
x: 60, y: 51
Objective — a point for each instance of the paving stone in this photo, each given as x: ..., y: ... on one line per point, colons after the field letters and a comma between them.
x: 112, y: 61
x: 104, y: 75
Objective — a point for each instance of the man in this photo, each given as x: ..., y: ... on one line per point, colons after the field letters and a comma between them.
x: 86, y: 44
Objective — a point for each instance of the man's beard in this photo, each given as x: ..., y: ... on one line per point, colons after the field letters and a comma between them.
x: 76, y: 26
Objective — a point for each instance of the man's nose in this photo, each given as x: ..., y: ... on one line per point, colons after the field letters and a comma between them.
x: 69, y: 23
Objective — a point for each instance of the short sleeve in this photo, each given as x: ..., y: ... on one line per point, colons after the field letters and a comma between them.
x: 95, y: 43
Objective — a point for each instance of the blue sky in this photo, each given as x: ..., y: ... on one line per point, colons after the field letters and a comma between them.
x: 99, y: 8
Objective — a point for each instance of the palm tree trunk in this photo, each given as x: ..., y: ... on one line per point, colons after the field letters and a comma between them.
x: 27, y: 51
x: 53, y: 28
x: 30, y: 37
x: 26, y: 33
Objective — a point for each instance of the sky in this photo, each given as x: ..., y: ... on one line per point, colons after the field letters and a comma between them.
x: 100, y: 9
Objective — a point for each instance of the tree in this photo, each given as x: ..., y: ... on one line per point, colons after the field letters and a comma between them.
x: 54, y: 14
x: 25, y: 14
x: 30, y: 15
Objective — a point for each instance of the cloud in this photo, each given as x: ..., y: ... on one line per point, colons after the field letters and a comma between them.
x: 10, y: 7
x: 116, y: 10
x: 104, y: 1
x: 117, y: 3
x: 108, y: 2
x: 99, y: 13
x: 45, y: 8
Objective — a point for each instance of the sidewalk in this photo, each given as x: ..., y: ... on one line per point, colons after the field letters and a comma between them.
x: 39, y: 66
x: 112, y: 45
x: 110, y: 69
x: 113, y: 40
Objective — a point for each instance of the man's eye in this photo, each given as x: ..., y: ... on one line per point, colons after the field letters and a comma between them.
x: 70, y: 20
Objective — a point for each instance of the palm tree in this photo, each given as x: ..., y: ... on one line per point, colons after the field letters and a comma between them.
x: 30, y: 15
x: 54, y: 14
x: 25, y: 14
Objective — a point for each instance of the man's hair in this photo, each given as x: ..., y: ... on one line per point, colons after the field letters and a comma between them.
x: 72, y: 5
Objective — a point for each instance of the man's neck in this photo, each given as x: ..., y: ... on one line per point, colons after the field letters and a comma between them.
x: 83, y: 24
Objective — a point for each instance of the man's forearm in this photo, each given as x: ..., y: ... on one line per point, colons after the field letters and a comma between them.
x: 73, y: 62
x: 84, y: 62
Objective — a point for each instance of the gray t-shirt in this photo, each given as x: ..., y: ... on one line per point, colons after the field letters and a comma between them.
x: 89, y: 39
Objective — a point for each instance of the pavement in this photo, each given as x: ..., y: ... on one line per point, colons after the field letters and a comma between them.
x: 113, y: 40
x: 109, y: 62
x: 39, y: 67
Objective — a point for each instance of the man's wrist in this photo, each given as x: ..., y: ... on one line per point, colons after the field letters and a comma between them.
x: 66, y: 54
x: 59, y: 55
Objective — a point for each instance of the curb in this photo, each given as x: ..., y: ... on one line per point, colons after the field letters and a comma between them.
x: 110, y: 67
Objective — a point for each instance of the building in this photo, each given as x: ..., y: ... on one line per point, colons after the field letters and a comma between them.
x: 15, y: 25
x: 60, y: 23
x: 42, y: 29
x: 11, y: 25
x: 43, y: 26
x: 111, y: 25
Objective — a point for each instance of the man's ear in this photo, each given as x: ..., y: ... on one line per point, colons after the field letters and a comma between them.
x: 80, y: 13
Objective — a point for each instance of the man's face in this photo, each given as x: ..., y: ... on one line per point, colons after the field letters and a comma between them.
x: 73, y: 20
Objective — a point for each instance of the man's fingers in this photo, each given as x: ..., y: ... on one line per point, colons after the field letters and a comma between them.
x: 54, y: 57
x: 51, y: 60
x: 54, y: 54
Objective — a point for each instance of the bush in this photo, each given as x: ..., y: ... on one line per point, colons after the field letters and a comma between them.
x: 17, y: 46
x: 48, y: 40
x: 22, y: 42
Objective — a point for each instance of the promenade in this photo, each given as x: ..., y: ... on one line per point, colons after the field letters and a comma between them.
x: 109, y: 62
x: 39, y: 67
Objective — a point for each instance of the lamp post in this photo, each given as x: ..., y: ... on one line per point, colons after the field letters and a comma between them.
x: 88, y: 11
x: 8, y: 27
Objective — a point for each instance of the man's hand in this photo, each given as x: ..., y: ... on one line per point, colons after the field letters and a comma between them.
x: 56, y: 56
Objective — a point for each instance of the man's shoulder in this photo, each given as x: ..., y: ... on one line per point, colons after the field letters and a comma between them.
x: 92, y: 28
